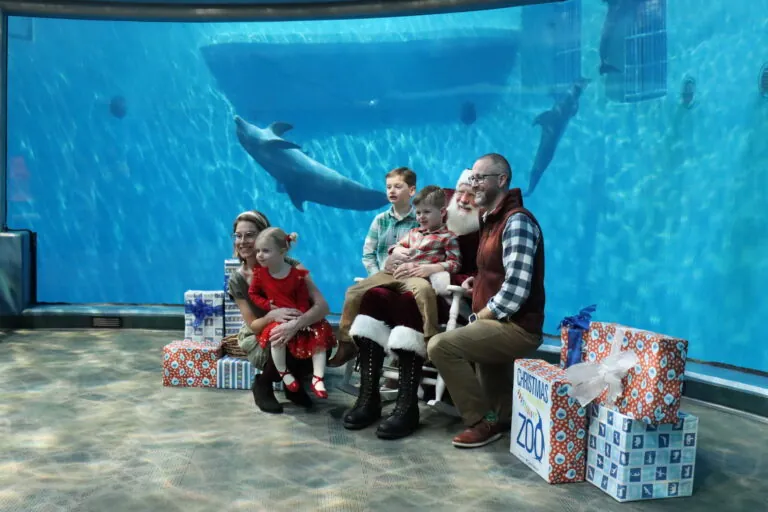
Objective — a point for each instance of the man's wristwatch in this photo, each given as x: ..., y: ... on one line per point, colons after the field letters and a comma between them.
x: 472, y: 318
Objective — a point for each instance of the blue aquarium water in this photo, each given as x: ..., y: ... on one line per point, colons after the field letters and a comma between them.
x: 123, y: 154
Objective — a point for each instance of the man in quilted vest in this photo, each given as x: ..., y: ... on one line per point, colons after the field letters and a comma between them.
x: 507, y: 303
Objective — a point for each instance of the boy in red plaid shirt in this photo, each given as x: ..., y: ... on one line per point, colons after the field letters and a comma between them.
x: 432, y: 254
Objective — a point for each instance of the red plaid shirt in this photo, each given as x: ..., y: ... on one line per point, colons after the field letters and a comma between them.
x: 439, y: 246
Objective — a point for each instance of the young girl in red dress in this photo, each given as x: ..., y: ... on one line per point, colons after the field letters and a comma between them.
x: 276, y: 284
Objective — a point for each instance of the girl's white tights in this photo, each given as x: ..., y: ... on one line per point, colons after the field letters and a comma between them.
x: 278, y: 357
x: 318, y: 368
x: 318, y: 365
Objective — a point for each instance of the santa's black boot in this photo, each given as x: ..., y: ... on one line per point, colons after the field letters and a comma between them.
x: 367, y: 408
x: 404, y: 420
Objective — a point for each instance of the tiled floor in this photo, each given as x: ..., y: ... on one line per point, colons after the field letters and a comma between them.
x: 85, y: 425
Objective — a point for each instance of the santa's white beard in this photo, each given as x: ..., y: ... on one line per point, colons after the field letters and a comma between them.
x: 461, y: 221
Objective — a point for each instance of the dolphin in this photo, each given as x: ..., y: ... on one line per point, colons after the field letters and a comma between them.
x: 553, y: 124
x: 613, y: 33
x: 688, y: 93
x: 468, y: 114
x: 298, y: 175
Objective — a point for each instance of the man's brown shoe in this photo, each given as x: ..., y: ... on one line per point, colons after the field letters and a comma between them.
x: 480, y: 434
x: 346, y: 352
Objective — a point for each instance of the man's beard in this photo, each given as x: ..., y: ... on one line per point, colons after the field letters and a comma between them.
x: 488, y: 198
x: 461, y: 221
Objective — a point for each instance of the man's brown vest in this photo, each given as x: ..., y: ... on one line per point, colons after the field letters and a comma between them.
x: 490, y: 267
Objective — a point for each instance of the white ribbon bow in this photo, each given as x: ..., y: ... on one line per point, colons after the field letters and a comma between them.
x: 589, y: 380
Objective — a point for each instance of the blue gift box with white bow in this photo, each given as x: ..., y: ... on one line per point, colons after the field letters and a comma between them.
x: 631, y: 460
x: 204, y: 316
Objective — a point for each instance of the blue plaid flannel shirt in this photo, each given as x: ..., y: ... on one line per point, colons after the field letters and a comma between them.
x: 520, y: 241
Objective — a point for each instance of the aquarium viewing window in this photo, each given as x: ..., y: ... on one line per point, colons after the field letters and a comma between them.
x: 207, y: 11
x: 135, y: 133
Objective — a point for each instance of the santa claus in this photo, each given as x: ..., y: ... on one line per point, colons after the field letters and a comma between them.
x: 390, y: 322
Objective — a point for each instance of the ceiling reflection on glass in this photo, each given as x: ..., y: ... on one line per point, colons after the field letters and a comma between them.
x: 210, y: 2
x: 250, y: 10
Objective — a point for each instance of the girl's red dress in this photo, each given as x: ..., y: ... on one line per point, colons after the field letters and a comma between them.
x: 268, y: 292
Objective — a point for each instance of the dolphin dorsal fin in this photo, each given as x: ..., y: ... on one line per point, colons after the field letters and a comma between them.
x: 279, y: 128
x: 296, y: 199
x: 546, y: 118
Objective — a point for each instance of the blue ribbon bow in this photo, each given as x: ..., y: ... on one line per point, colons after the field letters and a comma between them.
x: 201, y: 310
x: 576, y: 326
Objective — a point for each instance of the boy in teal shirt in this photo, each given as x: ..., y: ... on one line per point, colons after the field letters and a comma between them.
x: 386, y: 229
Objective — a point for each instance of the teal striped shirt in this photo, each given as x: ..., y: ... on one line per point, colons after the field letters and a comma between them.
x: 386, y: 229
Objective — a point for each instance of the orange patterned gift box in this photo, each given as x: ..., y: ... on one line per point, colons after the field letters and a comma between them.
x: 651, y: 389
x: 188, y: 363
x: 549, y: 428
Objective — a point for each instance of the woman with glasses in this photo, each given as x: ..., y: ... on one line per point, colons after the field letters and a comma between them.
x: 246, y: 228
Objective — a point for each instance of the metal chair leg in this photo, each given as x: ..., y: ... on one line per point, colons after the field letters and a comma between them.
x: 346, y: 383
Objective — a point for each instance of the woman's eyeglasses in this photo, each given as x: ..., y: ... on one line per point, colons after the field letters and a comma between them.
x: 244, y: 237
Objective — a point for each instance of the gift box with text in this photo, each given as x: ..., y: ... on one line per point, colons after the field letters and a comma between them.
x: 549, y: 428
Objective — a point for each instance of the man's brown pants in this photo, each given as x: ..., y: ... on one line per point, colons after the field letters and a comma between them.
x: 491, y: 346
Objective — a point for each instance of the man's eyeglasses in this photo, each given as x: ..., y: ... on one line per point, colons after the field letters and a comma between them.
x: 244, y: 237
x: 480, y: 178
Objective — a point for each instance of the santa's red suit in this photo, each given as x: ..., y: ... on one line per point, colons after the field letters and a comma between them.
x: 390, y: 321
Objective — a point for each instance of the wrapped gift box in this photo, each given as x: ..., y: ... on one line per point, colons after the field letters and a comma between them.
x: 231, y: 265
x: 204, y: 316
x: 549, y: 428
x: 631, y: 460
x: 651, y: 390
x: 233, y: 320
x: 235, y: 373
x: 188, y: 363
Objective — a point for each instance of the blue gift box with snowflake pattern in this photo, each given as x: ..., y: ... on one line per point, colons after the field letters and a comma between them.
x: 631, y: 460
